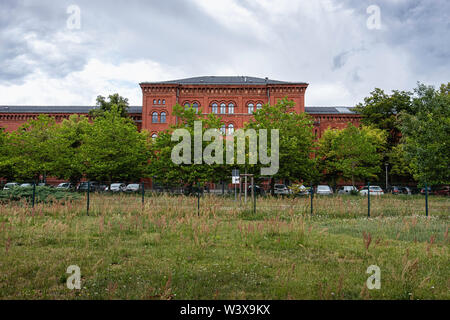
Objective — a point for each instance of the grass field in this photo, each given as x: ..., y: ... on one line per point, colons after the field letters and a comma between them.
x: 167, y: 251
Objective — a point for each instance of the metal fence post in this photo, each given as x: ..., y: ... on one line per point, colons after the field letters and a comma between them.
x: 143, y: 194
x: 88, y: 192
x: 368, y: 199
x: 312, y: 198
x: 198, y: 199
x: 426, y: 199
x: 34, y: 193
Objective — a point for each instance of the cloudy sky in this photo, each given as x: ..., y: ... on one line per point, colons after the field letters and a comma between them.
x: 49, y: 57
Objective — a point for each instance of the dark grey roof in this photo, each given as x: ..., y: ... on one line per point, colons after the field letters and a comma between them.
x: 224, y: 80
x: 138, y: 109
x: 56, y: 109
x: 330, y: 110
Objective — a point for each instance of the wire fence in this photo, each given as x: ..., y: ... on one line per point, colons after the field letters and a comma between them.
x: 225, y: 201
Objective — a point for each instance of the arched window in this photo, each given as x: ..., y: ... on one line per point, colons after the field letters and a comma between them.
x: 230, y: 129
x: 154, y: 136
x: 195, y: 106
x: 186, y: 105
x: 223, y: 129
x: 223, y: 108
x: 251, y: 108
x: 231, y: 108
x: 214, y: 108
x: 155, y: 117
x: 163, y: 117
x: 159, y: 101
x: 154, y: 101
x: 259, y: 106
x: 164, y: 101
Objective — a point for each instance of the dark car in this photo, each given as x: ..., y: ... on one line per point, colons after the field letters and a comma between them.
x: 443, y: 191
x: 258, y: 191
x: 430, y: 191
x: 94, y: 187
x: 395, y: 190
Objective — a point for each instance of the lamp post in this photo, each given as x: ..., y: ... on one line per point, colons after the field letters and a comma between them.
x: 386, y: 165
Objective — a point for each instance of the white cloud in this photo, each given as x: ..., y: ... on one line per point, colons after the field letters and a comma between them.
x: 82, y: 87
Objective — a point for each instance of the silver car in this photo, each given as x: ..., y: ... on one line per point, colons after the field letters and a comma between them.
x: 133, y: 187
x: 324, y: 190
x: 10, y: 185
x: 347, y: 190
x: 374, y: 191
x: 281, y: 189
x: 118, y: 187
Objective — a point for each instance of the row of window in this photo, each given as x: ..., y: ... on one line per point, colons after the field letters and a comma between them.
x: 224, y: 130
x: 224, y: 108
x: 162, y: 118
x: 159, y: 101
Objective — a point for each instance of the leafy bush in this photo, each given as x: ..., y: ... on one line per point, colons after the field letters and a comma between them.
x: 43, y: 194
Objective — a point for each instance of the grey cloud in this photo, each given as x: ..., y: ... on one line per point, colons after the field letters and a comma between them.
x: 305, y: 43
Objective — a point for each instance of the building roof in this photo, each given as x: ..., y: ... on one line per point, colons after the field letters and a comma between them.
x: 57, y: 109
x: 224, y: 80
x: 330, y: 110
x: 138, y: 109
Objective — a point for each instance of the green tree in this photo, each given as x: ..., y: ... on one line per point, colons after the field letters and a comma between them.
x: 114, y: 150
x: 165, y: 171
x: 382, y: 111
x: 296, y: 143
x: 6, y: 167
x: 426, y: 135
x: 352, y: 153
x: 114, y: 100
x: 66, y: 162
x: 31, y: 154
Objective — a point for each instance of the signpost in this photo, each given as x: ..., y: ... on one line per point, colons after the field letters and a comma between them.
x: 235, y: 180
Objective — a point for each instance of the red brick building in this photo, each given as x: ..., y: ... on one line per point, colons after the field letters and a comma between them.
x: 232, y: 98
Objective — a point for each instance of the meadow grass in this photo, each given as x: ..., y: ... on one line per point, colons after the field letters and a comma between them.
x: 168, y: 250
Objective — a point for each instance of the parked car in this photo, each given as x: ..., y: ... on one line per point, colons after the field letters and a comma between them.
x: 26, y: 185
x: 118, y: 187
x: 258, y: 190
x: 374, y: 191
x: 133, y: 187
x: 299, y: 190
x: 43, y: 184
x: 281, y: 189
x: 10, y: 185
x: 430, y: 191
x: 395, y: 190
x: 65, y: 186
x: 94, y: 186
x: 443, y: 191
x: 324, y: 190
x: 406, y: 190
x: 347, y: 189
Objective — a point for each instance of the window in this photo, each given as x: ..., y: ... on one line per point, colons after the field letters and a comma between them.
x: 251, y: 108
x: 214, y: 108
x: 230, y: 129
x: 231, y: 108
x: 154, y: 101
x: 159, y: 101
x: 155, y: 117
x: 154, y: 136
x: 223, y: 129
x: 195, y: 106
x: 164, y: 101
x: 163, y: 117
x: 223, y: 108
x: 259, y: 106
x: 186, y: 105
